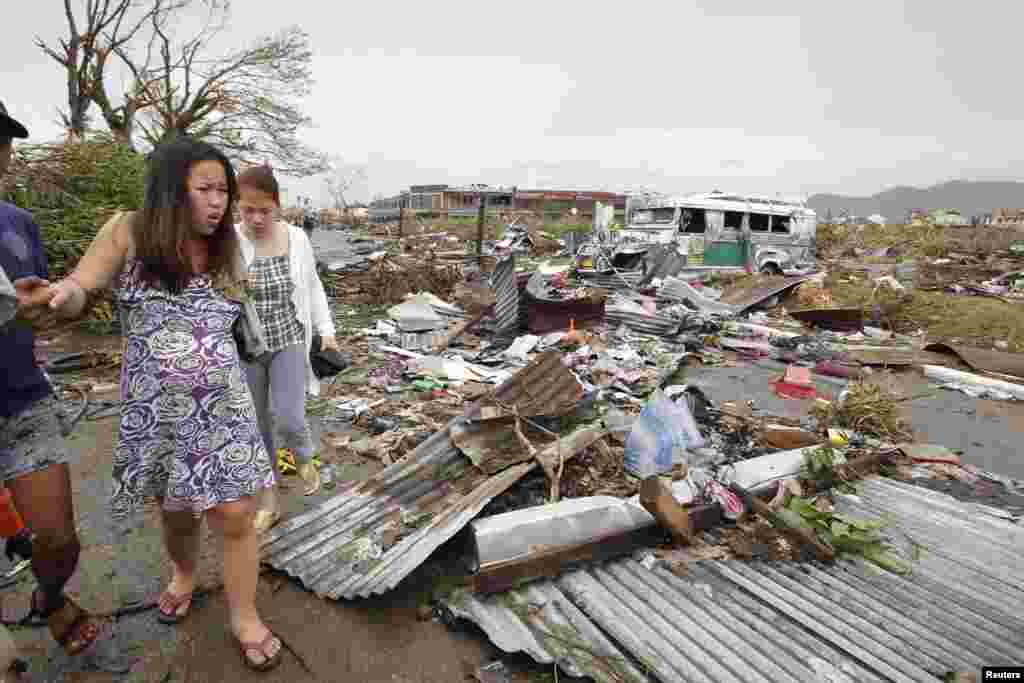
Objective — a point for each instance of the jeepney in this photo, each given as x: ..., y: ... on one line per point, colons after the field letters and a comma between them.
x: 712, y: 232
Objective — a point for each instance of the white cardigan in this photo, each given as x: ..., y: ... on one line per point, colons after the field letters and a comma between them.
x: 309, y: 297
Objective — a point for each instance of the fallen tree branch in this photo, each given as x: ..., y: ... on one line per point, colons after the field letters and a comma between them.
x: 553, y: 457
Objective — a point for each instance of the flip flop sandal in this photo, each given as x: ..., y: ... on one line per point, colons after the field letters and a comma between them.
x: 173, y: 603
x: 261, y: 647
x: 311, y: 475
x: 79, y: 635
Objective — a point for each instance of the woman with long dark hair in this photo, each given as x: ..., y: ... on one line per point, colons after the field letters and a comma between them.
x: 189, y: 436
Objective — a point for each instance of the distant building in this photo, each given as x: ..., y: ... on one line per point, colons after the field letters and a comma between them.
x: 464, y: 201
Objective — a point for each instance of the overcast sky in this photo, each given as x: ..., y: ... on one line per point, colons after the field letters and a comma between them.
x: 679, y: 97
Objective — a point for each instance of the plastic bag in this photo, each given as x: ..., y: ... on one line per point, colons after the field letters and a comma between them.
x: 663, y: 429
x: 619, y: 423
x: 8, y: 299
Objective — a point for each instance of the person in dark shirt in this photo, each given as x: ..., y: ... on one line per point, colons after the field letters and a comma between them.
x: 34, y: 459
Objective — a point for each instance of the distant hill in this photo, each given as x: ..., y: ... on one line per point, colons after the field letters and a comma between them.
x: 973, y: 198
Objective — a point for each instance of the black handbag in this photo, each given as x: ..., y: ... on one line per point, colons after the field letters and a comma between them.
x: 327, y: 362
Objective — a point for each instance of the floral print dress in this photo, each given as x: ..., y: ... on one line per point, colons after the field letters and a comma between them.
x: 189, y: 434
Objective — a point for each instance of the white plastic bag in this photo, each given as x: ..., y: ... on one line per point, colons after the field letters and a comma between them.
x: 8, y: 299
x: 663, y: 429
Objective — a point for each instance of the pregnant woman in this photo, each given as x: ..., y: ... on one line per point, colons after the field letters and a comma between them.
x: 189, y: 437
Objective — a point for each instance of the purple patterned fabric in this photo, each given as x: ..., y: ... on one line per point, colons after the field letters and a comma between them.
x: 189, y: 433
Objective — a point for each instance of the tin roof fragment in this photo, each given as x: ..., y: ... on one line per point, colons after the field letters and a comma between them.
x: 959, y: 610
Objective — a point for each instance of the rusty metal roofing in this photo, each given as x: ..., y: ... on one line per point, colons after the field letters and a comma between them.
x: 544, y: 387
x: 374, y: 533
x: 748, y: 300
x: 962, y: 608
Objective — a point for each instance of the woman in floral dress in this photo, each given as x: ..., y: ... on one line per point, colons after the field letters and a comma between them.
x: 189, y: 436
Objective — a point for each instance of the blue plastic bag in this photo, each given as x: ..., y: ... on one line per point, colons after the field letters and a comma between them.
x: 663, y: 428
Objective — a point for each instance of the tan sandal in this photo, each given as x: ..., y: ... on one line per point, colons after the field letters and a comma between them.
x: 261, y: 647
x: 266, y: 520
x: 311, y: 475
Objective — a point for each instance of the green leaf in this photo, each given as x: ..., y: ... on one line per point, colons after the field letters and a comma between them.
x: 839, y: 529
x: 887, y: 560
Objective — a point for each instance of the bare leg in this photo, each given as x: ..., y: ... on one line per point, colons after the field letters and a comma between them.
x: 44, y: 501
x: 181, y: 531
x: 234, y: 523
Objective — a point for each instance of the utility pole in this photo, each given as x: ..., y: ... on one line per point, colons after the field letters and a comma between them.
x: 481, y: 217
x: 401, y: 217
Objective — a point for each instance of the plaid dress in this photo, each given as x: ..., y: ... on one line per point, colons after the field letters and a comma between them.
x: 272, y: 289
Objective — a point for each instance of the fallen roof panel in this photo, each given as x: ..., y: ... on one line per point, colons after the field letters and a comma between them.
x: 371, y: 535
x: 783, y: 621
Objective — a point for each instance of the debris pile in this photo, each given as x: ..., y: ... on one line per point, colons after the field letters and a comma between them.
x: 388, y: 279
x: 568, y: 423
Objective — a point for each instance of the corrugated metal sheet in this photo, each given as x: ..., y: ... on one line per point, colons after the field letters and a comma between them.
x: 373, y: 534
x: 959, y: 610
x: 505, y: 320
x: 369, y: 537
x: 762, y: 294
x: 679, y: 291
x: 544, y: 387
x: 656, y: 325
x: 624, y: 279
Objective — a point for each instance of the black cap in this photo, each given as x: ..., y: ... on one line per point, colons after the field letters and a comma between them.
x: 9, y: 128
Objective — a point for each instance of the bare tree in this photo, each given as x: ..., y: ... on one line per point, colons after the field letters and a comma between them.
x: 106, y: 27
x: 341, y: 178
x: 245, y: 102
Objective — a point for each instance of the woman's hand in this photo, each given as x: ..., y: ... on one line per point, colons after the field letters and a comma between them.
x: 67, y: 297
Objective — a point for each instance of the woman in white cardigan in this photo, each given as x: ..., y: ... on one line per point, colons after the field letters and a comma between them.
x: 292, y: 306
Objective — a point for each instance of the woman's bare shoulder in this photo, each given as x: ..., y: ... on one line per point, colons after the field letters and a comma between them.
x: 121, y: 230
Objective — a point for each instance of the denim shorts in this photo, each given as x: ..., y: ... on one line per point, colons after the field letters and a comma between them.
x: 33, y: 439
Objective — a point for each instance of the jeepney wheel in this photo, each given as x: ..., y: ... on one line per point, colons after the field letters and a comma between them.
x: 771, y: 269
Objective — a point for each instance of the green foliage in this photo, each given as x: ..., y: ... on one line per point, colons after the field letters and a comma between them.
x: 73, y: 188
x: 846, y: 536
x: 819, y: 463
x: 820, y: 466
